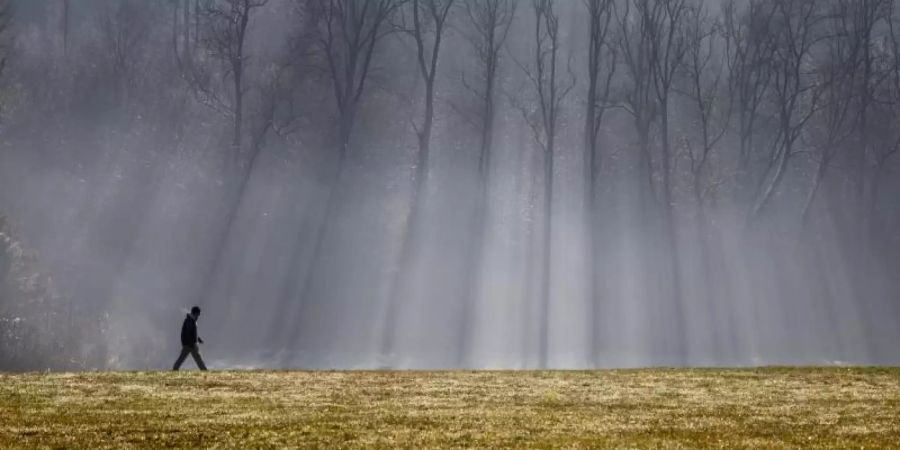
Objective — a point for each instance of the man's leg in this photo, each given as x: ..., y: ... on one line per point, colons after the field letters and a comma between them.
x: 181, y: 357
x: 195, y: 352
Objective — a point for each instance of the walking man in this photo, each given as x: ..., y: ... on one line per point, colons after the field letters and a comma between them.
x: 190, y: 340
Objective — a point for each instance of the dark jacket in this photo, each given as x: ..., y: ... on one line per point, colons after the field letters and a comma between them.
x: 189, y: 332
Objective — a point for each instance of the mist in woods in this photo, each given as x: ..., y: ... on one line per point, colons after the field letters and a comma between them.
x: 450, y: 183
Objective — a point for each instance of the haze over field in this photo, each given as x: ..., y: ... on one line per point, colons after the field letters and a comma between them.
x: 450, y: 183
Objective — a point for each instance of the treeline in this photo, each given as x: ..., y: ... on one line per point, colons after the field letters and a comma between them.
x: 39, y: 328
x: 763, y: 121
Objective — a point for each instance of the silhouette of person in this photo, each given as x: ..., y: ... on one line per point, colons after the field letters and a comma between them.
x: 190, y: 340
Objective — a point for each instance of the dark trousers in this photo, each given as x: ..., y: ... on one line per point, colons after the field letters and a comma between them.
x: 193, y: 350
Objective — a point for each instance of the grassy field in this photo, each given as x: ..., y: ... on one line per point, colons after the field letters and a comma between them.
x: 763, y: 408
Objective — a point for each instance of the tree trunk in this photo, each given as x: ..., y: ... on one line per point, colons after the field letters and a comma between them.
x: 196, y: 22
x: 813, y: 192
x: 415, y: 219
x: 546, y: 258
x: 475, y: 268
x: 175, y: 32
x: 590, y: 189
x: 770, y: 188
x: 187, y: 28
x: 411, y: 236
x: 672, y: 235
x: 289, y: 329
x: 235, y: 201
x: 238, y: 114
x: 64, y: 24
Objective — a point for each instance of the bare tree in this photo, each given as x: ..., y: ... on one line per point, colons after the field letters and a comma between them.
x: 794, y: 95
x: 186, y: 14
x: 668, y: 45
x: 550, y: 89
x: 602, y: 60
x: 704, y: 77
x: 749, y: 46
x: 64, y: 26
x: 653, y: 51
x: 885, y: 134
x: 428, y: 19
x: 187, y: 18
x: 703, y: 86
x: 5, y: 39
x: 489, y: 22
x: 635, y: 21
x: 346, y: 33
x: 197, y: 19
x: 839, y: 74
x: 176, y: 32
x: 223, y: 40
x: 870, y: 156
x: 125, y: 28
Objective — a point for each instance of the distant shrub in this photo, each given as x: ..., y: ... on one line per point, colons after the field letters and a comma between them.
x: 39, y: 328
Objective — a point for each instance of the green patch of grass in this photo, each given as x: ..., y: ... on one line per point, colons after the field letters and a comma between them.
x: 654, y: 408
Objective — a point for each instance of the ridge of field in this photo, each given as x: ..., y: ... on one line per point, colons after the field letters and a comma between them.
x: 647, y: 408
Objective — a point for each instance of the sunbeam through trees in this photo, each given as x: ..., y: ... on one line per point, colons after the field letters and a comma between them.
x: 450, y: 183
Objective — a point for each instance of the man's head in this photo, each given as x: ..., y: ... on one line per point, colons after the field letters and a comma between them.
x: 195, y: 311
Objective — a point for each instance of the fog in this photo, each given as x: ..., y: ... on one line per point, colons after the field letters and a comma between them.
x: 741, y: 209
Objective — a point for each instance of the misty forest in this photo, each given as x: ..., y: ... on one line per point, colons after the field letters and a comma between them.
x: 450, y: 183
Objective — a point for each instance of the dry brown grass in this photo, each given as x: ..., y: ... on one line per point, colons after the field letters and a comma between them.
x: 764, y: 408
